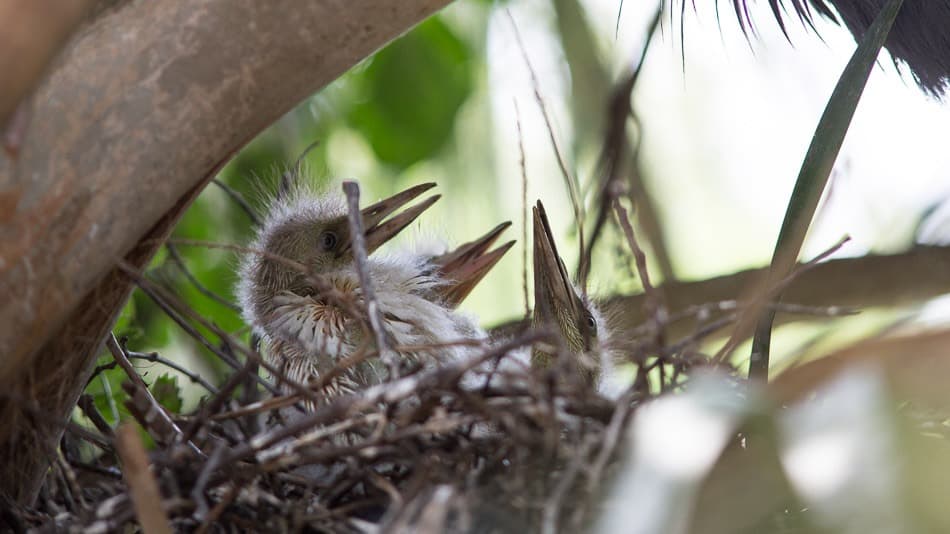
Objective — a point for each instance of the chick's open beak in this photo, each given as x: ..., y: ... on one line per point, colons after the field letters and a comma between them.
x: 379, y: 229
x: 464, y: 267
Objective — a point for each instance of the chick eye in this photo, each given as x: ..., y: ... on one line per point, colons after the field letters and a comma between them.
x: 328, y: 240
x: 592, y: 324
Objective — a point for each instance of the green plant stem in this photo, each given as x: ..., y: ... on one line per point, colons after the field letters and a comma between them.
x: 813, y: 177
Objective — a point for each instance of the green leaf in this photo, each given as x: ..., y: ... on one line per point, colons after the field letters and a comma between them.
x: 819, y: 161
x: 107, y: 392
x: 410, y: 93
x: 167, y: 393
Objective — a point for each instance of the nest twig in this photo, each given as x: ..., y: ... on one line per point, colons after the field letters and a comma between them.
x: 420, y: 452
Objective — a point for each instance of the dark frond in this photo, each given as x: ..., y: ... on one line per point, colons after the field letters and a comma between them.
x: 920, y: 37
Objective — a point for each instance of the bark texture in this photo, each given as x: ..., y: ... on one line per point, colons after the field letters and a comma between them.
x: 31, y: 33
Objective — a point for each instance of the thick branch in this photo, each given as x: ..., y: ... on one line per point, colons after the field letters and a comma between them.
x: 870, y: 281
x: 31, y: 32
x: 849, y: 283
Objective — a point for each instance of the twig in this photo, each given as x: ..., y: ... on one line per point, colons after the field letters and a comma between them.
x: 375, y: 315
x: 107, y: 472
x: 616, y: 152
x: 201, y: 483
x: 106, y: 387
x: 143, y: 488
x: 571, y: 181
x: 703, y: 312
x: 611, y: 438
x: 289, y: 178
x: 653, y: 303
x: 70, y: 476
x: 166, y: 301
x: 118, y: 352
x: 552, y: 508
x: 155, y: 358
x: 360, y: 355
x: 389, y: 392
x: 524, y: 214
x: 239, y: 199
x: 88, y: 407
x: 217, y: 401
x: 251, y: 393
x: 110, y: 399
x: 256, y: 358
x: 211, y: 518
x: 765, y: 295
x: 154, y: 292
x: 180, y: 263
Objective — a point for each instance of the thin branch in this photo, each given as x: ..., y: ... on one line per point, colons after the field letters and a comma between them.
x: 611, y: 439
x: 155, y: 358
x: 217, y: 401
x: 166, y: 302
x: 70, y: 476
x: 375, y: 315
x: 180, y: 263
x: 154, y: 293
x: 552, y: 508
x: 765, y: 295
x: 290, y: 178
x: 155, y: 407
x: 88, y: 407
x: 617, y: 152
x: 239, y: 199
x: 653, y: 303
x: 146, y: 497
x: 524, y: 214
x: 571, y: 181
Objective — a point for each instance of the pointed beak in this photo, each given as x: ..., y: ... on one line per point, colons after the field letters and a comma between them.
x: 379, y: 229
x: 553, y: 293
x: 557, y: 304
x: 465, y: 266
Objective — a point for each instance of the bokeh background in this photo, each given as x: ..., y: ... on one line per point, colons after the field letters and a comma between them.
x: 724, y: 120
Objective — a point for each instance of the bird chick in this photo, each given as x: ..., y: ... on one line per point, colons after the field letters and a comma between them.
x: 567, y: 310
x: 300, y: 289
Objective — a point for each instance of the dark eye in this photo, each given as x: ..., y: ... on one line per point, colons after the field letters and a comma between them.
x: 592, y: 324
x: 328, y: 240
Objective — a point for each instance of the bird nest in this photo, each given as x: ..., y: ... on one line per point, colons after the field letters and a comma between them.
x: 424, y: 450
x: 417, y: 452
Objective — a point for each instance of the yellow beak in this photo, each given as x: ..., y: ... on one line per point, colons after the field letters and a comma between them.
x: 556, y: 302
x: 379, y: 229
x: 465, y: 266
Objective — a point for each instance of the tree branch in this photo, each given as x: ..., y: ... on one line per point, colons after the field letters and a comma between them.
x: 31, y: 33
x: 870, y: 281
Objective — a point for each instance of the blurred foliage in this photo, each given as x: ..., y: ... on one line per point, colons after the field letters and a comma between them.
x: 430, y: 66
